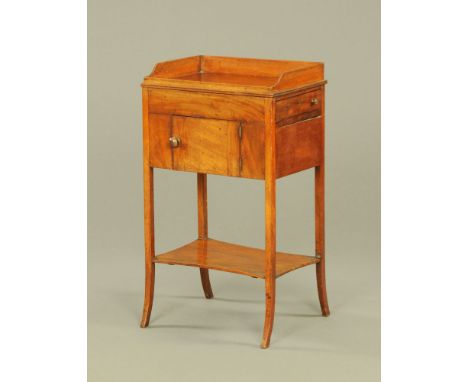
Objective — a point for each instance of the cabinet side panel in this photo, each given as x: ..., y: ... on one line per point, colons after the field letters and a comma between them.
x: 299, y: 146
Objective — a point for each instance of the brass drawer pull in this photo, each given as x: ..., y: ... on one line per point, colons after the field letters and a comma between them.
x: 174, y: 142
x: 314, y: 101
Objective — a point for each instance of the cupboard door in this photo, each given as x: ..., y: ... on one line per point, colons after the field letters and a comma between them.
x: 203, y: 145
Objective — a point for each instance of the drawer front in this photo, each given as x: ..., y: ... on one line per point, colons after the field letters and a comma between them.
x: 206, y: 145
x: 299, y: 146
x: 206, y: 105
x: 194, y: 144
x: 298, y: 108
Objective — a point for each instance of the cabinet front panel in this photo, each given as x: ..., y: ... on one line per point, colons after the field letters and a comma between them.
x: 253, y: 150
x: 299, y: 146
x: 206, y: 145
x: 299, y: 108
x: 160, y: 154
x: 206, y: 105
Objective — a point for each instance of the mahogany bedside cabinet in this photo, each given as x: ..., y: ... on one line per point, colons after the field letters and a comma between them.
x: 248, y: 118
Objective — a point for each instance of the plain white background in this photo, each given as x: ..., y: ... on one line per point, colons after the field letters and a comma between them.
x: 43, y: 192
x: 424, y: 190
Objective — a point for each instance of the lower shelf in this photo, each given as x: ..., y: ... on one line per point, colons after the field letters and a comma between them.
x: 214, y: 254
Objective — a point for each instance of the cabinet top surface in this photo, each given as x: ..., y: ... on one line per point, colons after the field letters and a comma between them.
x: 235, y: 75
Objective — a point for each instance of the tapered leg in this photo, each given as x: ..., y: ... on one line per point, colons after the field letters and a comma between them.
x: 320, y: 238
x: 149, y: 245
x: 202, y: 191
x: 270, y: 286
x: 270, y: 221
x: 205, y: 279
x: 270, y: 260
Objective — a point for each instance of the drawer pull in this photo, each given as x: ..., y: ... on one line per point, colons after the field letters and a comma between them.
x: 174, y: 142
x: 314, y: 101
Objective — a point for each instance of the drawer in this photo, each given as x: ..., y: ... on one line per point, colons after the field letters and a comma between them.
x: 206, y: 105
x: 299, y: 146
x: 298, y: 108
x: 195, y: 144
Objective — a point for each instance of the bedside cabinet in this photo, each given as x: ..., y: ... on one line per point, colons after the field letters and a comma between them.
x: 249, y: 118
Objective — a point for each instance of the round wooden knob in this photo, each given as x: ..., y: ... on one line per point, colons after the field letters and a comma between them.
x: 174, y: 142
x: 314, y: 101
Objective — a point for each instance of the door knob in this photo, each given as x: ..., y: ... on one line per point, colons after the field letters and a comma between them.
x: 174, y: 142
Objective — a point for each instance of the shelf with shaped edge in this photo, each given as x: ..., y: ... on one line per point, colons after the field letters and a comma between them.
x: 227, y: 257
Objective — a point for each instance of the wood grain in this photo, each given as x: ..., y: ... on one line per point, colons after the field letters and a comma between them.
x: 250, y: 66
x: 250, y: 118
x: 206, y: 105
x: 148, y: 218
x: 177, y: 68
x: 160, y: 153
x: 202, y: 203
x: 310, y: 74
x: 298, y: 108
x: 207, y: 146
x: 229, y: 79
x: 299, y: 146
x: 320, y: 238
x: 230, y: 75
x: 270, y: 221
x: 233, y: 258
x: 253, y: 150
x: 320, y: 227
